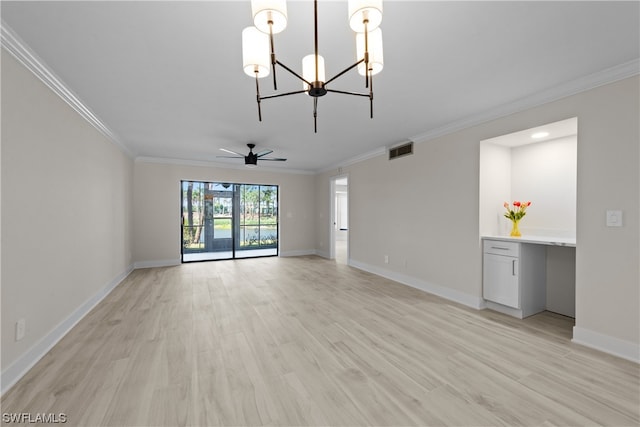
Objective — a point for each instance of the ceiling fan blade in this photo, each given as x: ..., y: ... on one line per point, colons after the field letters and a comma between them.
x: 275, y: 159
x: 264, y: 153
x: 232, y: 152
x: 230, y: 157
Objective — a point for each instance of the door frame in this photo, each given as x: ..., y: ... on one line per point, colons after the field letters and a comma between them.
x: 332, y: 216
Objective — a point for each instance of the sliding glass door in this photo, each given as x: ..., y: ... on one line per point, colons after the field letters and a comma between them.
x: 226, y: 221
x: 258, y: 222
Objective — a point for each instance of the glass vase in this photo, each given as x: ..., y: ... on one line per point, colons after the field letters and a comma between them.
x: 515, y: 231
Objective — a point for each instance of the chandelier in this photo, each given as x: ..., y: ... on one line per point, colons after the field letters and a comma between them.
x: 270, y: 17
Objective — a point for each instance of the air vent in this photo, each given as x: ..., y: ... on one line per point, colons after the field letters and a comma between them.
x: 401, y: 150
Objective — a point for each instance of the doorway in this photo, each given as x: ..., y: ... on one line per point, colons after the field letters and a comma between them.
x: 340, y: 219
x: 228, y: 220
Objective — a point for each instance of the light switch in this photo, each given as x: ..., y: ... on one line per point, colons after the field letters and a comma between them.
x: 614, y: 218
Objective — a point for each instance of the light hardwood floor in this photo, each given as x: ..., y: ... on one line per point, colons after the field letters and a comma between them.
x: 308, y: 341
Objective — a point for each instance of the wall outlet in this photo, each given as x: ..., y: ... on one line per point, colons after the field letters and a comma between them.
x: 386, y: 259
x: 21, y: 326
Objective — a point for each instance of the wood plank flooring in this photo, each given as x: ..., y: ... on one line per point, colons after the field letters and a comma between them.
x: 308, y: 341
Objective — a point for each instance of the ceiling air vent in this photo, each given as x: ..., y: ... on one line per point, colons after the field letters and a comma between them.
x: 401, y: 150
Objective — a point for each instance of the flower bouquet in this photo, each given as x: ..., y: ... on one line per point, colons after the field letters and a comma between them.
x: 515, y: 214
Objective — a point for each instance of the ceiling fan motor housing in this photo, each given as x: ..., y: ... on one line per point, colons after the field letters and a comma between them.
x: 251, y: 159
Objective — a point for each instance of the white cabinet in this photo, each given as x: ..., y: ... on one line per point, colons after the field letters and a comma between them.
x: 501, y: 280
x: 514, y: 277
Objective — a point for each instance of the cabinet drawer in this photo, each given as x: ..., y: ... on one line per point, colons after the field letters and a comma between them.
x: 499, y: 247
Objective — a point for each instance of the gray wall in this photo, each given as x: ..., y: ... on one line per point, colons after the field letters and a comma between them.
x: 66, y: 215
x: 157, y: 207
x: 422, y: 211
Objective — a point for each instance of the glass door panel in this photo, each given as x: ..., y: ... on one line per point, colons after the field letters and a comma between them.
x: 224, y: 221
x: 258, y: 220
x: 192, y: 217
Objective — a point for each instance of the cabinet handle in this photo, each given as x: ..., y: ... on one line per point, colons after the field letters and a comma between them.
x: 513, y: 267
x: 498, y: 247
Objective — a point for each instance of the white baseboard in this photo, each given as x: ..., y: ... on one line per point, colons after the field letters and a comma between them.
x: 303, y: 252
x: 323, y: 254
x: 157, y: 263
x: 606, y: 343
x: 24, y: 363
x: 441, y: 291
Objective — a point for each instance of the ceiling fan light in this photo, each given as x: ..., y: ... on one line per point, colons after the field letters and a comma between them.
x: 361, y: 10
x: 376, y: 56
x: 255, y: 52
x: 264, y: 11
x: 309, y: 69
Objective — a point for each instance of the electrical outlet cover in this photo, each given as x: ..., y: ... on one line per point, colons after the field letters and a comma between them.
x: 20, y: 329
x: 614, y: 218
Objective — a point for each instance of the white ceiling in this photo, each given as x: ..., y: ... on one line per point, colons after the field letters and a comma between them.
x: 166, y: 77
x: 546, y: 132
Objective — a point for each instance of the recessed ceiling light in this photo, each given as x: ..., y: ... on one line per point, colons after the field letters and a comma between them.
x: 539, y: 135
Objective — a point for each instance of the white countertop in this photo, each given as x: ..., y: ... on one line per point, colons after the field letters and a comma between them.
x: 540, y: 240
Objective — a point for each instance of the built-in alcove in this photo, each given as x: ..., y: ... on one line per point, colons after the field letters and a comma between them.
x: 538, y: 165
x: 541, y: 170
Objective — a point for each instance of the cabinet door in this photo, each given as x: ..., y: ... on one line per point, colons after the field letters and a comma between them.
x: 500, y: 280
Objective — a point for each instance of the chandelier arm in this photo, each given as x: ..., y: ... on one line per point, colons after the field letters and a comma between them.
x: 284, y: 94
x: 292, y: 72
x: 366, y: 52
x: 344, y: 71
x: 273, y: 55
x: 349, y: 93
x: 315, y: 36
x: 258, y: 98
x: 370, y: 73
x: 315, y: 115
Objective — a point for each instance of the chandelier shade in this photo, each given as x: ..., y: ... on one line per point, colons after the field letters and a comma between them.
x: 309, y: 70
x: 365, y: 15
x: 376, y: 57
x: 266, y: 12
x: 255, y: 52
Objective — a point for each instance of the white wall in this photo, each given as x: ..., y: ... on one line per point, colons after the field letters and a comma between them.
x: 495, y: 188
x: 157, y: 207
x: 545, y: 173
x: 429, y: 224
x: 66, y: 216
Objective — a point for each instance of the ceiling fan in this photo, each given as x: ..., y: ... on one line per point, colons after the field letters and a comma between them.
x: 251, y: 159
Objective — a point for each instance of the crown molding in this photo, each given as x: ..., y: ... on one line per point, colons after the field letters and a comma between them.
x: 353, y: 160
x: 212, y: 164
x: 609, y: 75
x: 582, y: 84
x: 23, y: 53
